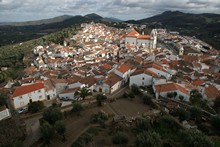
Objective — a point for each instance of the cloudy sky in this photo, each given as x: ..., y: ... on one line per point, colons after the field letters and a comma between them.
x: 23, y: 10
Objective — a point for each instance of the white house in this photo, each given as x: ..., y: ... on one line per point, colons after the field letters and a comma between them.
x: 4, y: 113
x: 157, y: 68
x: 69, y: 93
x: 60, y: 84
x: 112, y: 83
x: 87, y: 82
x: 163, y: 89
x: 75, y: 84
x: 50, y: 89
x: 124, y: 72
x: 142, y: 77
x: 28, y: 93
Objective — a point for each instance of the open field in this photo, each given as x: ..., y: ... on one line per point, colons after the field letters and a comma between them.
x: 76, y: 125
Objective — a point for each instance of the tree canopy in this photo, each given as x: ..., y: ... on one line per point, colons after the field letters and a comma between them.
x: 60, y: 128
x: 47, y: 133
x: 35, y: 106
x: 100, y: 98
x: 146, y: 139
x: 181, y: 113
x: 120, y: 138
x: 195, y: 138
x: 77, y: 108
x: 51, y: 115
x: 84, y: 92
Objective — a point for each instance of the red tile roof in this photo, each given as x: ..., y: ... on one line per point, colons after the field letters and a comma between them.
x: 143, y: 37
x: 155, y: 65
x: 107, y: 66
x: 137, y: 72
x: 149, y: 72
x: 70, y: 90
x: 133, y: 33
x: 88, y: 81
x: 138, y: 60
x: 27, y: 89
x: 131, y: 66
x: 197, y: 82
x: 112, y: 79
x: 212, y: 92
x: 123, y: 68
x: 190, y: 59
x: 174, y: 62
x: 171, y: 87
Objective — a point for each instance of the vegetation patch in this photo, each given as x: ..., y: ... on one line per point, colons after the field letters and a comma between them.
x: 86, y: 137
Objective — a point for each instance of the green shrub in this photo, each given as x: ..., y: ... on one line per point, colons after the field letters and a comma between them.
x: 181, y: 113
x: 51, y: 115
x: 146, y: 139
x: 142, y: 124
x: 35, y: 106
x: 215, y: 121
x: 195, y: 138
x: 135, y: 89
x: 120, y: 138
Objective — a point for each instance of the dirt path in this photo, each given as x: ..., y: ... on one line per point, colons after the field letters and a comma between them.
x: 76, y: 125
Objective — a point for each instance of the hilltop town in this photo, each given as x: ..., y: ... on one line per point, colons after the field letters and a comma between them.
x: 164, y: 65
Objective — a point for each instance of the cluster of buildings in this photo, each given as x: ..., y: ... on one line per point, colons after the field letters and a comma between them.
x: 185, y: 45
x: 104, y: 59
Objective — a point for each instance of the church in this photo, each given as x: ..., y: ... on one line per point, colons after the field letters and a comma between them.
x: 137, y: 39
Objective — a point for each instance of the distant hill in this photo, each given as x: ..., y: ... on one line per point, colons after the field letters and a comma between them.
x: 40, y: 22
x: 112, y: 19
x: 204, y: 26
x: 93, y: 16
x: 178, y: 18
x: 18, y: 32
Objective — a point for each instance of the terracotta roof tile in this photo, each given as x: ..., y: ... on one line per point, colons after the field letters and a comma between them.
x: 88, y: 81
x: 133, y: 33
x: 27, y: 89
x: 143, y: 37
x: 123, y: 68
x: 112, y: 79
x: 170, y: 87
x: 197, y: 82
x: 211, y: 92
x: 107, y: 66
x: 70, y: 90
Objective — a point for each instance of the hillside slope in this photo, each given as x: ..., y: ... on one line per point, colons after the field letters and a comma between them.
x: 10, y: 34
x: 40, y: 22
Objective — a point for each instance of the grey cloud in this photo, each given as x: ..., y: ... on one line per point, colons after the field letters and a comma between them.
x: 80, y: 5
x: 197, y: 2
x: 124, y: 9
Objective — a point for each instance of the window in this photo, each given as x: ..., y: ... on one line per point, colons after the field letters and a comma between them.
x: 20, y: 97
x: 39, y: 91
x: 142, y: 83
x: 142, y: 78
x: 40, y: 96
x: 21, y: 104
